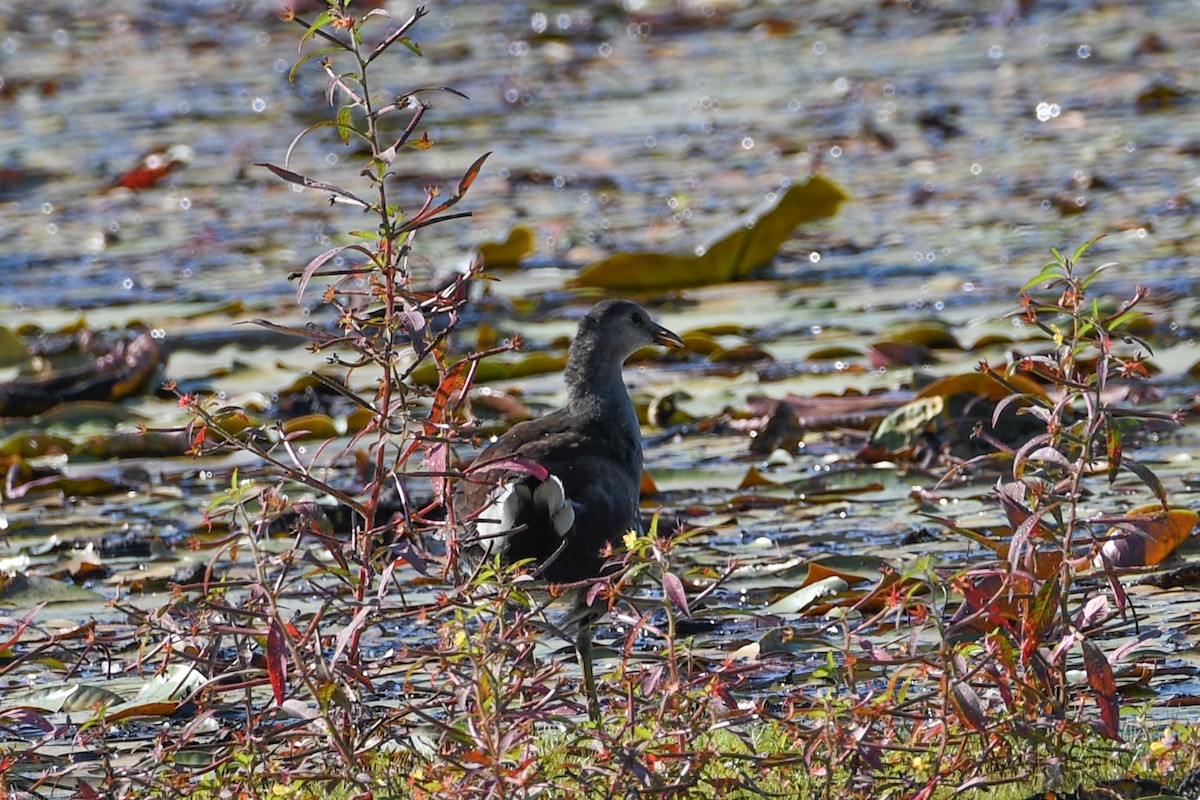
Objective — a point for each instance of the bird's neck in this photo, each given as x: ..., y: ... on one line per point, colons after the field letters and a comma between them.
x: 595, y: 387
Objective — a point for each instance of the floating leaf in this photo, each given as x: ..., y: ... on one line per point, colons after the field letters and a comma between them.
x: 784, y: 639
x: 950, y: 407
x: 12, y: 348
x: 495, y: 369
x: 121, y: 371
x: 837, y: 352
x: 311, y: 426
x: 65, y: 697
x: 35, y: 444
x: 900, y: 431
x: 982, y: 384
x: 905, y: 354
x: 741, y: 354
x: 805, y: 596
x: 134, y: 444
x: 1160, y: 96
x: 154, y: 166
x: 666, y: 410
x: 750, y: 246
x: 1147, y: 536
x: 22, y: 480
x: 926, y: 333
x: 753, y: 478
x: 498, y: 255
x: 30, y: 591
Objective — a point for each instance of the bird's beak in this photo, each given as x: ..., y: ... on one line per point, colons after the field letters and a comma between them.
x: 667, y: 338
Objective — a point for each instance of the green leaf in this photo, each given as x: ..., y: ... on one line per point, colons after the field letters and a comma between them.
x: 1086, y: 282
x: 1049, y: 273
x: 1125, y: 318
x: 343, y: 124
x: 1151, y: 480
x: 320, y: 22
x: 324, y: 51
x: 1083, y: 248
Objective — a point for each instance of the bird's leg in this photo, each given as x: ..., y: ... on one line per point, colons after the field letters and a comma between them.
x: 583, y: 648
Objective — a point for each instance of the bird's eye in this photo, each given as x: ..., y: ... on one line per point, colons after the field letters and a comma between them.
x: 636, y: 318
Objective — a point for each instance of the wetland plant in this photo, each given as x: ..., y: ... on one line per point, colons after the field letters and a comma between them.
x: 330, y: 666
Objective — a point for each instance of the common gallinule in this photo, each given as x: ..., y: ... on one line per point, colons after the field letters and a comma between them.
x: 567, y: 484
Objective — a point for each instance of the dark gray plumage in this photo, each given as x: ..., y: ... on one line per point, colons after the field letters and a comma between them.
x: 580, y: 471
x: 592, y: 450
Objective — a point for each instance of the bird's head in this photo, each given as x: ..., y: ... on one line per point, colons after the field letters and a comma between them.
x: 622, y: 327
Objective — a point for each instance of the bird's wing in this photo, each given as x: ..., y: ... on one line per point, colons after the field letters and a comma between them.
x: 593, y: 468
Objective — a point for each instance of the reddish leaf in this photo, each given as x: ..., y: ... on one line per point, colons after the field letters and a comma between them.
x: 927, y: 791
x: 1040, y: 618
x: 429, y: 216
x: 512, y: 465
x: 437, y: 460
x: 980, y: 593
x: 673, y: 589
x: 1100, y: 679
x: 277, y: 661
x: 311, y: 267
x: 1150, y: 479
x: 345, y: 634
x: 1024, y: 522
x: 27, y: 716
x: 1115, y: 449
x: 155, y: 166
x: 970, y: 706
x: 593, y: 592
x: 404, y: 551
x: 21, y: 626
x: 85, y: 791
x: 719, y: 688
x: 449, y: 387
x: 472, y: 173
x: 1093, y: 612
x: 300, y: 180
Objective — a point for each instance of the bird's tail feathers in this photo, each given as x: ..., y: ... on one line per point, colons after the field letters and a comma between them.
x: 551, y: 495
x: 520, y: 504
